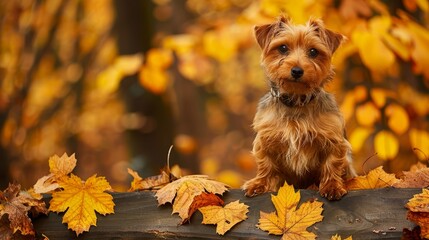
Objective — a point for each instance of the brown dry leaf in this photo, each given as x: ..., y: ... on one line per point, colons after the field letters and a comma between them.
x: 149, y: 183
x: 376, y: 178
x: 58, y: 167
x: 289, y: 220
x: 16, y: 204
x: 416, y: 179
x: 418, y: 212
x: 203, y: 200
x: 224, y: 217
x: 183, y: 191
x: 81, y: 200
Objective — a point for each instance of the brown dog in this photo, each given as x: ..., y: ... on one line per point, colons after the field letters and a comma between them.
x: 300, y: 130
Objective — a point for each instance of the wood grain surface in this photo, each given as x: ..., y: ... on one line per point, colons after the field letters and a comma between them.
x: 364, y: 214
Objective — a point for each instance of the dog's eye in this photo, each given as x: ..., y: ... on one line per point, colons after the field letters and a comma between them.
x: 313, y: 53
x: 283, y: 49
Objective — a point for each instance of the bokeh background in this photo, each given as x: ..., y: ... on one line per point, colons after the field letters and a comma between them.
x: 118, y: 82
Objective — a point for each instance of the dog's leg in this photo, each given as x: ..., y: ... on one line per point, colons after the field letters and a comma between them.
x: 266, y: 179
x: 332, y: 183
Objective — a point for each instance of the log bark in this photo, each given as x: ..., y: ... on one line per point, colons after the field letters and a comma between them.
x: 363, y: 214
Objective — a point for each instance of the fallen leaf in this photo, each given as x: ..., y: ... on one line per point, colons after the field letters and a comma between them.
x: 80, y: 200
x: 420, y: 202
x: 203, y: 200
x: 418, y: 207
x: 416, y: 179
x: 183, y: 191
x: 421, y: 219
x: 418, y: 166
x: 149, y: 183
x: 224, y: 217
x: 386, y: 145
x: 376, y: 178
x: 58, y: 167
x: 16, y: 204
x: 289, y: 220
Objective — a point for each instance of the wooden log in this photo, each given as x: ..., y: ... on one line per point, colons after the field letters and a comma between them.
x: 363, y: 214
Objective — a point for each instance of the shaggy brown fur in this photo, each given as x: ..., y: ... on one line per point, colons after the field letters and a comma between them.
x: 300, y: 131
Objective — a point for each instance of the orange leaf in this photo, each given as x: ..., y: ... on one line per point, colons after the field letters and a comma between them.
x: 376, y: 178
x: 181, y: 192
x: 289, y: 220
x: 421, y: 219
x: 203, y: 200
x: 224, y: 217
x: 80, y: 200
x: 59, y: 167
x: 418, y: 212
x: 149, y: 183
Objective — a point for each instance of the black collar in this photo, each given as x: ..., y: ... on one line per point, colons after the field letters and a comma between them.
x: 292, y: 100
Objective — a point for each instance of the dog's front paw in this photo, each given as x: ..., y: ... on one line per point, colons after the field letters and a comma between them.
x: 332, y: 190
x: 255, y: 187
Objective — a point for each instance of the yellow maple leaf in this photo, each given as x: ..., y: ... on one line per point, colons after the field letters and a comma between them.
x: 386, y: 145
x: 376, y: 178
x: 290, y: 221
x: 59, y: 167
x: 81, y: 200
x: 224, y: 217
x: 184, y: 190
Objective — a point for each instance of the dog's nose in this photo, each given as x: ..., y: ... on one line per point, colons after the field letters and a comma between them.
x: 296, y: 72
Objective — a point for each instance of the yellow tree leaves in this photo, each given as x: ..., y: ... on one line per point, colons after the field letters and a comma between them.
x: 80, y: 200
x: 224, y: 217
x: 386, y: 145
x: 289, y: 220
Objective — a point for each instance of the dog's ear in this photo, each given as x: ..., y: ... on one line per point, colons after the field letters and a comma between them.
x: 332, y: 39
x: 264, y: 33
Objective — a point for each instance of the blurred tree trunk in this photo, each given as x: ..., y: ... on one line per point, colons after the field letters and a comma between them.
x: 149, y: 144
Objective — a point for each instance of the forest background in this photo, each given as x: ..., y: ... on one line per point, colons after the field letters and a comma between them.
x: 118, y: 82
